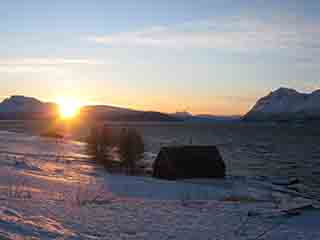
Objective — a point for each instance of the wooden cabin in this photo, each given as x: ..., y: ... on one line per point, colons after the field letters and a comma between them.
x: 185, y: 162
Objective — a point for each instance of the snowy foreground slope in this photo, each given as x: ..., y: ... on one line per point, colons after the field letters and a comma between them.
x: 50, y: 190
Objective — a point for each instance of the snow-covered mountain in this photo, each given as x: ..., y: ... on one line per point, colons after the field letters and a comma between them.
x: 183, y: 115
x: 286, y: 104
x: 16, y: 104
x: 21, y: 107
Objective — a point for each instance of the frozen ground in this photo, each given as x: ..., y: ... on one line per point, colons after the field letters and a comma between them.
x: 50, y: 190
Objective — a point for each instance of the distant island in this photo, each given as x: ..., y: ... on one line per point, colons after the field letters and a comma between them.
x: 186, y: 116
x: 286, y: 104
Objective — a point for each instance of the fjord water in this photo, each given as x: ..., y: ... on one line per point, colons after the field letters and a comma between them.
x: 250, y: 149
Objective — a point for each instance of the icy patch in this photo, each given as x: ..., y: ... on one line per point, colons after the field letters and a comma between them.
x: 26, y: 166
x: 23, y: 144
x: 304, y: 226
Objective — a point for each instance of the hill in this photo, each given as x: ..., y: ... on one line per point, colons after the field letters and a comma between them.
x: 286, y: 104
x: 28, y: 108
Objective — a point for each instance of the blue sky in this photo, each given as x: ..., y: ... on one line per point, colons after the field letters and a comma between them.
x: 202, y: 56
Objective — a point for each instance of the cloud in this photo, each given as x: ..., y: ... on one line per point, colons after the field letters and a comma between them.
x: 235, y: 34
x: 27, y: 69
x: 48, y: 61
x: 39, y: 65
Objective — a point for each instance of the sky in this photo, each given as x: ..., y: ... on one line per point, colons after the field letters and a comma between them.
x: 204, y: 56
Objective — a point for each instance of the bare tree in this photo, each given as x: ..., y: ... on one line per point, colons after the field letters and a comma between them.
x: 100, y: 141
x: 131, y: 149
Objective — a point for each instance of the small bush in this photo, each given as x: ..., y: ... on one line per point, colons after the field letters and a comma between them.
x: 100, y: 141
x: 131, y: 149
x: 101, y: 144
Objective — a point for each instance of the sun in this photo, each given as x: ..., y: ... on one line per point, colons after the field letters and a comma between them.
x: 68, y: 108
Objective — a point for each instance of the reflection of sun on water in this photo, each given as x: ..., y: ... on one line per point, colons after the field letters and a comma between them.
x: 68, y: 108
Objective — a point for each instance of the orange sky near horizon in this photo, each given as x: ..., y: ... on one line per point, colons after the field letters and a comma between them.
x: 216, y: 105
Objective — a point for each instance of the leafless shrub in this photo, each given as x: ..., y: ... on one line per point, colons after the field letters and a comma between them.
x: 131, y: 150
x: 99, y: 142
x: 86, y: 194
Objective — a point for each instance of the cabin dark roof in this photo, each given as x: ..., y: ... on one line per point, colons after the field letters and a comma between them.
x: 189, y: 162
x: 185, y: 153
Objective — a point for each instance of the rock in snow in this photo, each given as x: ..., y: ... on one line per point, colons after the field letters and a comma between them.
x: 286, y: 104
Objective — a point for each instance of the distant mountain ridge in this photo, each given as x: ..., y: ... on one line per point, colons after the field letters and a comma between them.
x: 286, y: 104
x: 21, y: 108
x: 110, y: 113
x: 186, y: 116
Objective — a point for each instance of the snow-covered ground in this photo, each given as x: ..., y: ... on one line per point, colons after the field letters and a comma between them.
x: 50, y: 190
